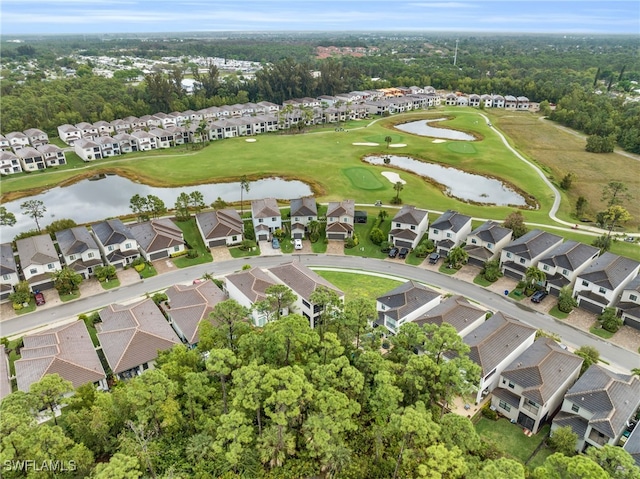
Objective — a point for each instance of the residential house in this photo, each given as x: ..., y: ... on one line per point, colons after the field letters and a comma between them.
x: 69, y: 134
x: 599, y: 285
x: 159, y: 238
x: 266, y: 218
x: 340, y: 219
x: 407, y: 226
x: 456, y: 311
x: 249, y: 287
x: 65, y: 350
x: 188, y: 305
x: 164, y: 138
x: 220, y: 227
x: 449, y: 230
x: 526, y: 251
x: 303, y: 211
x: 632, y: 445
x: 109, y: 146
x: 599, y: 406
x: 116, y: 242
x: 451, y: 99
x: 131, y: 336
x: 474, y: 100
x: 494, y: 345
x: 629, y: 304
x: 39, y: 259
x: 486, y: 241
x: 8, y: 271
x: 79, y: 250
x: 17, y: 140
x: 510, y: 102
x: 497, y: 101
x: 127, y: 143
x: 133, y: 123
x: 5, y: 374
x: 36, y: 137
x: 88, y: 150
x: 532, y: 387
x: 9, y: 163
x: 180, y: 134
x: 486, y: 99
x: 404, y: 304
x: 523, y: 103
x: 564, y: 262
x: 120, y: 126
x: 87, y: 130
x: 303, y: 282
x: 104, y: 128
x: 145, y: 140
x: 4, y: 143
x: 30, y: 159
x: 53, y: 155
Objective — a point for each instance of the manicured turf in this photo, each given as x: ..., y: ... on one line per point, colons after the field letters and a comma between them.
x: 602, y: 333
x: 556, y: 313
x: 111, y: 284
x: 363, y: 178
x: 539, y: 458
x: 68, y: 297
x: 148, y: 271
x: 194, y: 240
x: 510, y: 437
x: 238, y: 253
x: 480, y: 280
x: 357, y: 285
x: 365, y: 246
x: 463, y: 147
x: 28, y: 309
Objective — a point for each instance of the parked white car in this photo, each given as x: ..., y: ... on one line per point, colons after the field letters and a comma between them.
x: 297, y: 244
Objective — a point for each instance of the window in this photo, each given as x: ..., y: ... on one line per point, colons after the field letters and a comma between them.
x: 260, y: 220
x: 310, y: 218
x: 345, y: 220
x: 397, y: 225
x: 274, y: 219
x: 90, y: 255
x: 127, y: 246
x: 545, y: 267
x: 413, y: 228
x: 490, y: 245
x: 110, y: 248
x: 50, y: 266
x: 473, y: 241
x: 508, y: 255
x: 176, y: 248
x: 72, y: 257
x: 435, y: 232
x: 296, y: 219
x: 505, y: 406
x: 306, y: 304
x: 575, y: 408
x: 565, y: 272
x: 5, y: 277
x: 33, y: 271
x: 449, y: 235
x: 585, y: 283
x: 511, y: 385
x: 234, y: 238
x: 602, y: 290
x: 633, y: 297
x: 523, y: 261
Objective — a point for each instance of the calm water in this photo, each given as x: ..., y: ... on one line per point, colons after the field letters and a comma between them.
x: 89, y: 201
x: 422, y: 128
x: 458, y: 183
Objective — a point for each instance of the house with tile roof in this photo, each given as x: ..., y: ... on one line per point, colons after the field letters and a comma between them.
x: 53, y: 155
x: 145, y: 140
x: 109, y: 146
x: 8, y: 271
x: 486, y: 242
x: 5, y: 375
x: 220, y: 227
x: 564, y: 262
x: 4, y: 143
x: 39, y: 259
x: 599, y: 406
x: 303, y: 282
x: 404, y: 304
x: 159, y: 238
x: 532, y: 387
x: 69, y: 134
x: 247, y: 288
x: 303, y: 211
x: 30, y: 159
x: 79, y: 249
x: 629, y: 304
x: 131, y: 336
x: 164, y: 138
x: 65, y: 350
x: 449, y: 230
x: 266, y: 218
x: 407, y: 227
x: 494, y: 345
x: 17, y: 140
x: 632, y: 445
x: 87, y: 149
x: 188, y: 305
x: 599, y: 285
x: 36, y: 137
x: 127, y: 143
x: 340, y: 218
x: 9, y: 163
x: 526, y: 251
x: 456, y: 311
x: 116, y: 242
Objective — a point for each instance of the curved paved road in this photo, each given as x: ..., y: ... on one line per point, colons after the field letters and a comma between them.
x: 615, y: 355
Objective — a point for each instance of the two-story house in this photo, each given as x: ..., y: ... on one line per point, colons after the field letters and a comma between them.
x: 145, y: 140
x: 87, y: 149
x: 629, y: 304
x: 404, y: 304
x: 249, y: 287
x: 456, y: 311
x: 36, y: 137
x: 131, y: 336
x: 598, y: 407
x: 340, y: 217
x: 599, y: 285
x: 532, y: 387
x: 303, y: 211
x: 127, y: 143
x: 303, y: 282
x: 69, y: 134
x: 39, y: 259
x: 9, y: 163
x: 449, y: 230
x: 159, y: 238
x: 407, y: 226
x: 53, y: 155
x: 266, y: 218
x: 79, y: 250
x: 164, y: 138
x: 116, y: 242
x: 526, y: 251
x: 8, y: 271
x: 17, y: 140
x: 564, y: 262
x: 30, y: 159
x: 64, y: 350
x: 486, y: 242
x: 220, y: 227
x: 109, y: 146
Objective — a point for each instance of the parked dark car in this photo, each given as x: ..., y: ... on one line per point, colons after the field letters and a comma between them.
x: 538, y: 296
x: 434, y: 258
x: 403, y: 253
x: 39, y: 297
x: 275, y: 244
x: 393, y: 252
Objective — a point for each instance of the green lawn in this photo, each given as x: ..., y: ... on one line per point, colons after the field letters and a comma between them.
x: 28, y: 309
x: 194, y: 240
x: 366, y: 247
x: 510, y: 438
x: 238, y: 253
x: 539, y: 458
x: 480, y: 280
x: 357, y: 285
x: 319, y: 247
x: 556, y: 313
x: 110, y: 284
x: 444, y: 268
x: 68, y: 297
x: 602, y: 333
x: 148, y: 271
x: 363, y: 179
x: 517, y: 294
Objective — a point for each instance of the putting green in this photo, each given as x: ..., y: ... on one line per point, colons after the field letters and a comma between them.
x: 363, y: 179
x: 380, y: 138
x: 461, y: 147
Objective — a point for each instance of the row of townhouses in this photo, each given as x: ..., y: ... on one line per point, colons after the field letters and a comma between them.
x: 28, y: 151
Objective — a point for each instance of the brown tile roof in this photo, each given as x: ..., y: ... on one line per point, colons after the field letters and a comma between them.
x: 304, y: 206
x: 36, y: 250
x: 265, y: 208
x: 220, y: 223
x: 610, y: 270
x: 7, y: 260
x: 252, y: 283
x: 132, y: 335
x: 157, y: 235
x: 406, y: 298
x: 345, y: 207
x: 66, y: 350
x: 456, y: 311
x: 301, y: 279
x: 533, y: 244
x: 408, y: 214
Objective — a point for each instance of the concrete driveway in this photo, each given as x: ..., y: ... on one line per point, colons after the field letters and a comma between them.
x: 266, y: 249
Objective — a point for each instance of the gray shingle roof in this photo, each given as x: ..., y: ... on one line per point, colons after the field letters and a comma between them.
x: 451, y: 221
x: 456, y: 311
x: 345, y: 207
x: 532, y: 244
x: 491, y: 232
x: 304, y: 206
x: 577, y: 423
x: 265, y: 208
x: 632, y: 446
x: 7, y: 260
x: 5, y: 382
x: 36, y: 250
x: 406, y: 298
x: 157, y: 235
x: 75, y: 240
x: 569, y: 255
x: 408, y: 214
x: 610, y: 270
x: 301, y: 279
x: 111, y: 232
x: 252, y: 283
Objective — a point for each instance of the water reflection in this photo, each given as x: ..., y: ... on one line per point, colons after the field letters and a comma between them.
x: 89, y: 201
x: 457, y: 183
x: 422, y: 128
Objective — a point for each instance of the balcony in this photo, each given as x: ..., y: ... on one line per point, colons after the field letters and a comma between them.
x: 598, y: 438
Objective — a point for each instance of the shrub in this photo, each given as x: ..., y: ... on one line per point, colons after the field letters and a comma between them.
x: 17, y: 306
x: 182, y: 253
x: 247, y: 245
x: 421, y: 251
x: 491, y: 270
x: 609, y: 321
x: 192, y: 253
x: 137, y: 262
x: 430, y: 245
x: 566, y: 301
x: 489, y: 413
x: 376, y: 236
x: 349, y: 243
x: 246, y: 267
x: 139, y: 267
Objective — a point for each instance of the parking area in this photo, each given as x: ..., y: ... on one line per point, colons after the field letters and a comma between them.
x: 266, y: 249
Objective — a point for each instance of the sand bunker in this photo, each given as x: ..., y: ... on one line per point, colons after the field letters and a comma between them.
x: 397, y: 145
x: 439, y: 141
x: 365, y: 144
x: 250, y: 140
x: 393, y: 177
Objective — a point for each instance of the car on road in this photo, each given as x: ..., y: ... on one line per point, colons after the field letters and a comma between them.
x: 39, y: 297
x: 297, y: 243
x: 538, y: 296
x: 393, y: 252
x: 630, y: 239
x: 403, y: 253
x: 275, y: 243
x: 434, y: 258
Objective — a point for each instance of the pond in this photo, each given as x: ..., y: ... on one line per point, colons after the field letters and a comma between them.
x: 457, y: 183
x: 93, y: 200
x: 422, y: 128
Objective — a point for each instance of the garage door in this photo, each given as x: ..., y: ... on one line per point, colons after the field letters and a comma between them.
x: 335, y: 236
x: 475, y: 262
x: 158, y: 255
x: 43, y: 286
x: 512, y: 274
x: 443, y: 252
x: 263, y: 237
x: 298, y: 236
x: 634, y: 323
x: 218, y: 242
x: 554, y: 291
x: 589, y: 306
x: 403, y: 244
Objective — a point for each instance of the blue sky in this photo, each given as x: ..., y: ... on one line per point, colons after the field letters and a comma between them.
x: 138, y: 16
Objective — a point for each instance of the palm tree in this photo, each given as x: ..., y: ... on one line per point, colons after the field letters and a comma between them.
x: 313, y: 227
x: 457, y: 257
x: 533, y: 276
x: 388, y: 140
x: 398, y: 187
x: 244, y: 186
x: 382, y: 215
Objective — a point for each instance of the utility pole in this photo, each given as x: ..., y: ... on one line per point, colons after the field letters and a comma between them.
x: 455, y: 56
